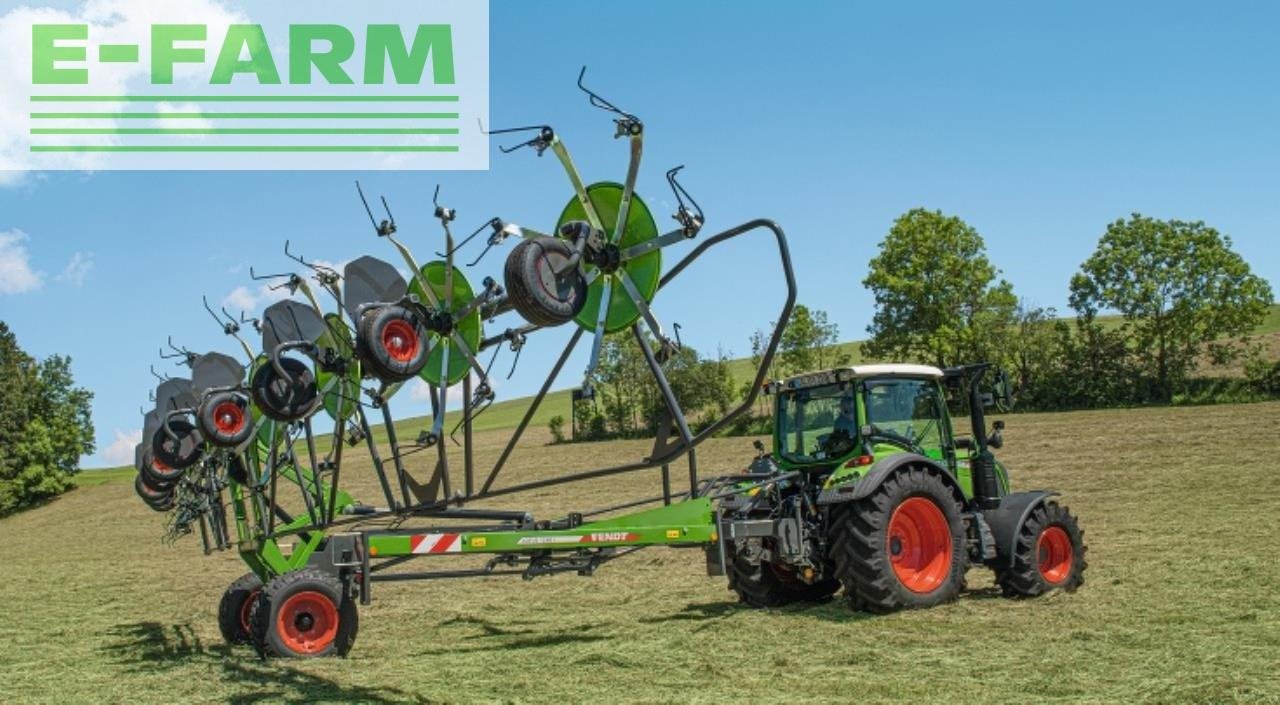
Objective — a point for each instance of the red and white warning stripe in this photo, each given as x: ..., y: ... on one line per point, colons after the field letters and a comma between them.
x: 436, y: 543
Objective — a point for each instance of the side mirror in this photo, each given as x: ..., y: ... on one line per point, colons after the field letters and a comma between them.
x: 996, y: 439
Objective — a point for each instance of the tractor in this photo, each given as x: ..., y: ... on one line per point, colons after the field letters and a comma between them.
x: 870, y: 487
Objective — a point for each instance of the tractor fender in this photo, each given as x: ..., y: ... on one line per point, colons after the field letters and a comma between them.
x: 1007, y: 518
x: 881, y: 470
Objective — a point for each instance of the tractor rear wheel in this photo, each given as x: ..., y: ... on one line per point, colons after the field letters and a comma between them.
x: 766, y: 585
x: 234, y: 608
x: 1049, y: 554
x: 903, y: 546
x: 304, y: 614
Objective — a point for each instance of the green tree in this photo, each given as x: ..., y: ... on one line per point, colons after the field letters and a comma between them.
x: 44, y: 425
x: 1179, y: 287
x: 937, y: 297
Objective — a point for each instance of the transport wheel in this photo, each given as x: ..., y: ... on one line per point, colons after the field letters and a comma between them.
x: 172, y: 455
x: 902, y: 546
x: 158, y: 499
x: 392, y: 342
x: 233, y: 609
x: 533, y: 288
x: 225, y: 419
x: 767, y: 585
x: 304, y: 614
x: 287, y: 398
x: 1049, y: 554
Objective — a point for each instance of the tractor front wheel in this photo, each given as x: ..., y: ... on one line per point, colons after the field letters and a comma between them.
x: 304, y: 614
x: 1049, y: 554
x: 903, y: 546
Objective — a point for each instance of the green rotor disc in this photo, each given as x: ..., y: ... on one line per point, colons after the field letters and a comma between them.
x: 340, y: 401
x: 468, y: 327
x: 645, y: 270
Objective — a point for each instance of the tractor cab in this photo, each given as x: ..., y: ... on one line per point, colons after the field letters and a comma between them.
x: 839, y: 422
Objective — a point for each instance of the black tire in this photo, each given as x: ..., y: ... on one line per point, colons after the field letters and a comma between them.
x: 863, y: 547
x: 304, y: 614
x: 225, y: 419
x: 287, y: 398
x: 391, y: 341
x: 234, y: 608
x: 179, y: 452
x: 160, y: 500
x: 533, y: 289
x: 767, y: 585
x: 1039, y: 564
x: 158, y: 474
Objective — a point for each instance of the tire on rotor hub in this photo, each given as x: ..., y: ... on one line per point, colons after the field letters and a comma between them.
x: 1048, y: 554
x: 533, y: 288
x: 160, y: 500
x: 172, y: 455
x: 235, y: 606
x: 225, y: 419
x: 284, y: 398
x: 304, y: 614
x: 391, y: 341
x: 903, y: 546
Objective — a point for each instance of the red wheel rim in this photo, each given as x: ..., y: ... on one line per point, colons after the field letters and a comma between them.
x: 400, y: 340
x: 307, y: 622
x: 245, y: 607
x: 919, y: 545
x: 228, y: 418
x: 1055, y: 555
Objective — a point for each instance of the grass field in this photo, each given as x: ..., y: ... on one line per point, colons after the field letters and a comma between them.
x: 1179, y: 605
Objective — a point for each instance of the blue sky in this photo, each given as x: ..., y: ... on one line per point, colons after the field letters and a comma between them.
x: 1038, y: 124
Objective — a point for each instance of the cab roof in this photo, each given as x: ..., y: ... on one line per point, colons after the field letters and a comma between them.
x: 842, y: 374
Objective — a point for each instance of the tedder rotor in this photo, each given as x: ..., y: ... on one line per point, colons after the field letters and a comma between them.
x: 866, y: 487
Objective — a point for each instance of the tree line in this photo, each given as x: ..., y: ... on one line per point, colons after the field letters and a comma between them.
x: 1155, y: 302
x: 44, y: 425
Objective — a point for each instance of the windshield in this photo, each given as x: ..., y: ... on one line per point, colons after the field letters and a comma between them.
x: 818, y: 423
x: 905, y: 409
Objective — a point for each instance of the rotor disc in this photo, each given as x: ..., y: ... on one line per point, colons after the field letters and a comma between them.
x: 645, y: 270
x: 469, y: 327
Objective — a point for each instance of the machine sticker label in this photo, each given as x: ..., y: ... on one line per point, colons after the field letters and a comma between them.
x: 231, y: 84
x: 598, y: 537
x: 436, y: 543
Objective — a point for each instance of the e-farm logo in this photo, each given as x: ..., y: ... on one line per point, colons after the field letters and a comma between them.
x: 259, y: 89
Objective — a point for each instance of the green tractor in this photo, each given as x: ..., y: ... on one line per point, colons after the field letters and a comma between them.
x: 873, y: 489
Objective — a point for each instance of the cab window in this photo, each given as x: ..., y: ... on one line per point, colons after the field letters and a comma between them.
x: 905, y: 409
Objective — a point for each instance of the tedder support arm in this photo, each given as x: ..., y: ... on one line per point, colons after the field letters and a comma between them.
x: 690, y: 522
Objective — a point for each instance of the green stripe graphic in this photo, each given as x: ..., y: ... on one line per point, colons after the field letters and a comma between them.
x: 244, y: 148
x: 244, y: 131
x: 238, y: 116
x: 244, y: 98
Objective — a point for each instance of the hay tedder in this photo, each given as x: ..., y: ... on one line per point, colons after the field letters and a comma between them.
x: 866, y: 487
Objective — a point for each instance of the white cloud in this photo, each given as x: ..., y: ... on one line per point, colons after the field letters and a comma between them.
x: 123, y: 22
x: 120, y: 452
x: 77, y: 268
x: 242, y: 298
x: 16, y: 274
